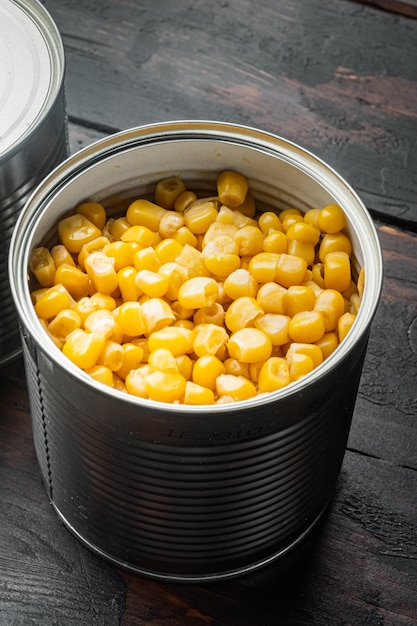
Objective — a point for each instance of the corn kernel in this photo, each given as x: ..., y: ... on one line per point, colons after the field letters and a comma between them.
x: 240, y: 283
x: 248, y: 207
x: 126, y: 278
x: 122, y: 252
x: 271, y: 297
x: 306, y: 327
x: 269, y: 221
x: 275, y: 326
x: 289, y: 220
x: 298, y: 298
x: 73, y: 279
x: 83, y: 348
x: 334, y: 242
x: 302, y: 249
x: 156, y: 314
x: 250, y: 240
x: 209, y: 339
x: 199, y: 215
x: 190, y: 258
x: 42, y: 265
x: 76, y: 230
x: 101, y: 374
x: 93, y: 211
x: 130, y: 318
x: 206, y: 370
x: 52, y: 301
x: 242, y: 312
x: 327, y: 344
x: 185, y: 365
x: 165, y: 386
x: 221, y: 256
x: 344, y: 324
x: 135, y: 382
x: 184, y: 236
x: 197, y: 394
x: 168, y: 250
x: 64, y: 323
x: 311, y: 217
x: 235, y: 367
x: 331, y: 305
x: 145, y: 213
x: 184, y: 200
x: 311, y: 350
x: 100, y: 269
x: 177, y: 275
x: 290, y: 270
x: 162, y: 360
x: 101, y: 322
x: 275, y: 241
x: 132, y: 359
x: 176, y: 339
x: 170, y: 223
x: 301, y: 365
x: 154, y: 284
x: 232, y: 188
x: 263, y: 266
x: 112, y: 355
x: 146, y: 259
x: 219, y: 229
x: 274, y: 374
x: 250, y: 345
x: 117, y: 227
x: 331, y: 219
x: 337, y: 272
x: 167, y: 191
x: 197, y: 292
x: 213, y: 314
x: 103, y: 301
x: 95, y: 245
x: 236, y: 387
x: 61, y: 255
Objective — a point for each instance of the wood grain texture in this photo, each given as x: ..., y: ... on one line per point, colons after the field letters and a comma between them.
x: 336, y: 77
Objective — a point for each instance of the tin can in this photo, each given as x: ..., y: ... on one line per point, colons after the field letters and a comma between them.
x: 33, y: 128
x: 173, y: 491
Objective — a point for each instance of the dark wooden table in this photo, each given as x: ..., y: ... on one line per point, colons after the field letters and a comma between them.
x: 340, y: 78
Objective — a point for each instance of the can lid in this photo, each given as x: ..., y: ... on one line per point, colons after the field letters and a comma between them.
x: 31, y: 68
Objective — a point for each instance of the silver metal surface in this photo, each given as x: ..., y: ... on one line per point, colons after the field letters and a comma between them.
x: 174, y: 491
x: 33, y: 131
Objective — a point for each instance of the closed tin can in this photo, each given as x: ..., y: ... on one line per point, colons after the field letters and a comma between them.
x: 174, y: 491
x: 33, y: 129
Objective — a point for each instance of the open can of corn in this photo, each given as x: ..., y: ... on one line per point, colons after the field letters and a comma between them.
x: 33, y: 128
x: 172, y: 489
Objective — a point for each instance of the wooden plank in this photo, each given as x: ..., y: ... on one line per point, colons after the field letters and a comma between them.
x: 292, y: 68
x: 404, y: 7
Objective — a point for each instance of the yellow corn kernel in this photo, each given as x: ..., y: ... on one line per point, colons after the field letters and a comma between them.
x: 331, y: 305
x: 52, y: 301
x: 271, y: 297
x: 185, y: 236
x: 248, y: 207
x: 61, y: 255
x: 59, y: 342
x: 178, y: 340
x: 213, y: 314
x: 275, y: 241
x: 312, y: 285
x: 236, y: 387
x: 73, y: 279
x: 235, y: 367
x: 199, y: 215
x: 102, y: 374
x: 290, y: 270
x: 311, y: 217
x: 145, y: 213
x: 220, y: 256
x: 361, y: 282
x: 354, y: 303
x: 170, y: 223
x: 146, y: 259
x: 139, y: 234
x: 269, y: 222
x: 190, y: 258
x: 42, y: 265
x: 311, y: 350
x: 117, y: 227
x: 95, y: 245
x: 197, y: 292
x: 274, y: 374
x: 334, y: 242
x: 75, y: 231
x: 219, y: 229
x: 250, y: 240
x: 168, y: 250
x: 241, y: 221
x: 93, y: 211
x: 301, y: 365
x: 331, y: 219
x: 242, y: 312
x: 290, y: 219
x: 162, y: 360
x: 327, y: 344
x: 123, y: 253
x: 185, y: 324
x: 151, y: 283
x: 344, y: 324
x: 209, y: 339
x: 302, y: 249
x: 197, y: 394
x: 249, y: 345
x: 275, y: 326
x: 156, y: 314
x: 132, y: 359
x: 226, y: 216
x: 100, y: 269
x: 337, y: 271
x: 298, y: 298
x: 126, y: 278
x: 84, y: 307
x: 181, y: 313
x: 206, y: 369
x: 165, y: 386
x: 318, y: 274
x: 64, y: 323
x: 185, y: 365
x: 177, y: 275
x: 103, y: 301
x: 302, y: 231
x: 184, y: 200
x: 240, y: 283
x: 232, y: 188
x: 130, y: 318
x: 167, y: 191
x: 119, y: 384
x: 306, y: 327
x: 135, y: 382
x: 112, y: 355
x: 83, y: 348
x: 101, y: 322
x: 263, y: 266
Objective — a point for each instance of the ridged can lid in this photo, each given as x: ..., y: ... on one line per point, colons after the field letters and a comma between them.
x: 31, y: 69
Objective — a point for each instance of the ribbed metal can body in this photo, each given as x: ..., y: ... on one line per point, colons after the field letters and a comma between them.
x: 33, y: 128
x: 173, y: 491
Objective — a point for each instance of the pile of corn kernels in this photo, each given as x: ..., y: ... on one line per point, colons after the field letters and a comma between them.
x: 197, y: 300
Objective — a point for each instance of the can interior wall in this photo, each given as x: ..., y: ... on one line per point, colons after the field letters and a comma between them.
x: 33, y: 128
x: 173, y: 491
